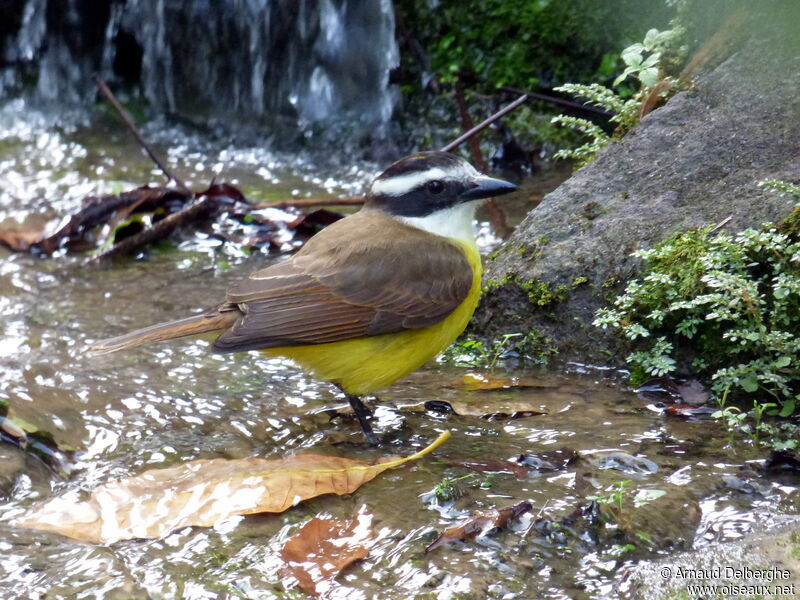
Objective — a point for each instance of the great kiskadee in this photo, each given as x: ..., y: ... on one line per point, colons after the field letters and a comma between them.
x: 368, y: 299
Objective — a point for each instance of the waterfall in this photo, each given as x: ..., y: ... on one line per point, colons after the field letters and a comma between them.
x: 268, y: 62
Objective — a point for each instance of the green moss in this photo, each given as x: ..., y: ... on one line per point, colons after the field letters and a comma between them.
x: 683, y: 264
x: 494, y: 284
x: 794, y: 539
x: 576, y: 281
x: 791, y: 224
x: 540, y: 293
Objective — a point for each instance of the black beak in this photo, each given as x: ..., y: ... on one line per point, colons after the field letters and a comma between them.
x: 486, y: 187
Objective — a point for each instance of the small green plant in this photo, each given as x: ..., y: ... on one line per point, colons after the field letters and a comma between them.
x: 479, y: 354
x: 615, y: 501
x: 446, y: 490
x: 724, y: 306
x: 776, y: 435
x: 784, y: 187
x: 641, y: 62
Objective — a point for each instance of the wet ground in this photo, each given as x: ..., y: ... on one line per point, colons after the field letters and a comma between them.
x: 175, y: 402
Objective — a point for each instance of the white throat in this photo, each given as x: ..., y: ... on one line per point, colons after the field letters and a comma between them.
x: 454, y: 222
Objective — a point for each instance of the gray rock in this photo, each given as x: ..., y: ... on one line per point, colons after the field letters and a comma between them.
x: 768, y: 558
x: 691, y: 163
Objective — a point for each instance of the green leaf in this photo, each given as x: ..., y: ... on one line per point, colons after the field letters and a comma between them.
x: 787, y: 409
x: 749, y: 383
x: 649, y: 77
x: 783, y: 361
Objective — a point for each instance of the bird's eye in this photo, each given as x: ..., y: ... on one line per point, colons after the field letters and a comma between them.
x: 435, y: 186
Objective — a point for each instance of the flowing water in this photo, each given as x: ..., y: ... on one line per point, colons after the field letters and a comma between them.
x: 166, y: 404
x: 294, y: 63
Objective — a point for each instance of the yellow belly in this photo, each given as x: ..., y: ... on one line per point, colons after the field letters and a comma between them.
x: 364, y: 365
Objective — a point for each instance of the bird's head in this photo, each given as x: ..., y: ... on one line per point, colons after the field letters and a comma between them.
x: 435, y: 191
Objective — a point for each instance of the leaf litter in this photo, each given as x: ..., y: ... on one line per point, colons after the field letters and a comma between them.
x: 480, y: 524
x: 322, y: 548
x: 203, y: 493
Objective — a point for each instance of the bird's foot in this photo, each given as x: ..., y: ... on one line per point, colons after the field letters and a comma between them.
x: 363, y: 413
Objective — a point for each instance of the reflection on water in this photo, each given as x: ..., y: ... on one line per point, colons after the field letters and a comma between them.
x: 175, y: 402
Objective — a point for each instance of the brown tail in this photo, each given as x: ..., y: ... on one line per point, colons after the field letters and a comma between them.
x: 213, y: 320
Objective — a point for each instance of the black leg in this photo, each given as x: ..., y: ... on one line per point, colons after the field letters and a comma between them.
x: 362, y: 412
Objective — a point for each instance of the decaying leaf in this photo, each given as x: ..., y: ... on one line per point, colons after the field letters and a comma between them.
x: 489, y: 409
x: 310, y: 223
x: 202, y: 493
x: 322, y: 548
x: 20, y: 240
x: 665, y: 388
x: 484, y: 382
x: 480, y: 524
x: 689, y: 410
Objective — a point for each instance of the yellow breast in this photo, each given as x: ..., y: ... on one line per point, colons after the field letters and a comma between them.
x: 364, y: 365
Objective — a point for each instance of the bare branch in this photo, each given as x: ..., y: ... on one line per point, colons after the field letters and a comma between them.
x: 109, y: 95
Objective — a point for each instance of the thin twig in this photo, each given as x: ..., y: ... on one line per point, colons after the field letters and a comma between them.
x: 496, y: 214
x: 355, y: 201
x: 467, y: 125
x: 310, y: 202
x: 719, y: 226
x: 483, y: 125
x: 109, y: 95
x: 560, y: 101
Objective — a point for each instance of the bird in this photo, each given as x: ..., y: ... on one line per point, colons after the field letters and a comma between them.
x: 370, y: 298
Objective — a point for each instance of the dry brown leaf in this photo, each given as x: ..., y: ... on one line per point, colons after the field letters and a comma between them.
x: 479, y: 524
x: 490, y: 409
x: 202, y: 493
x: 19, y: 240
x: 480, y: 381
x: 322, y: 548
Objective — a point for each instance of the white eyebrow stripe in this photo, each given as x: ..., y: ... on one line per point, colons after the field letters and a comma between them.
x: 402, y: 184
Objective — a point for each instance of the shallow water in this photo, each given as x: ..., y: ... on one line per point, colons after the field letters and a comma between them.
x: 163, y: 405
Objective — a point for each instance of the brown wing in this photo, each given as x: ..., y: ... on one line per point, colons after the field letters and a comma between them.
x: 386, y: 277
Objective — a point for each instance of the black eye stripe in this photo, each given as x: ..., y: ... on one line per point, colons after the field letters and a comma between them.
x: 419, y: 202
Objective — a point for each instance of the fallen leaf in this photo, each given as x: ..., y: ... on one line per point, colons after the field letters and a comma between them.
x: 202, y: 493
x: 472, y: 382
x: 491, y: 410
x: 322, y: 548
x: 665, y: 388
x: 479, y: 524
x: 98, y: 210
x: 487, y: 466
x: 18, y: 240
x: 311, y: 223
x: 688, y: 410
